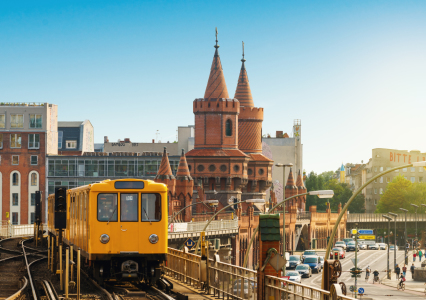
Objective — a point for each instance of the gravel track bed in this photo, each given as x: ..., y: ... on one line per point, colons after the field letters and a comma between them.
x: 10, y: 271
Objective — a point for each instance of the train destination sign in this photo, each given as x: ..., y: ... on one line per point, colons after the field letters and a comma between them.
x: 365, y: 231
x: 367, y: 237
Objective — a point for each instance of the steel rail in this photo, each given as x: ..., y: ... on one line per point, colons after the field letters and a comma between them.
x: 109, y: 296
x: 162, y: 294
x: 49, y: 290
x: 33, y: 290
x: 21, y: 290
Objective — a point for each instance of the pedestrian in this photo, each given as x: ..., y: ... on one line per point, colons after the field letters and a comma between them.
x: 412, y: 270
x: 397, y: 271
x: 404, y: 270
x: 414, y: 255
x: 420, y: 255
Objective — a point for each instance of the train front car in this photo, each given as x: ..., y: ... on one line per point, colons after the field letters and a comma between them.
x: 128, y: 230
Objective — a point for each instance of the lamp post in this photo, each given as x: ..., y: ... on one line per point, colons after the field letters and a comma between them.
x: 211, y: 202
x: 394, y: 248
x: 405, y: 236
x: 389, y: 219
x: 230, y: 204
x: 416, y: 206
x: 320, y: 194
x: 284, y: 247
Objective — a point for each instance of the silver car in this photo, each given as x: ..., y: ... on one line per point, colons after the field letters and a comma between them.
x: 374, y: 247
x: 383, y: 246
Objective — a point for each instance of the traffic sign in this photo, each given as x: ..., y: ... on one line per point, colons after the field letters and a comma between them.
x: 352, y: 288
x: 360, y: 291
x: 365, y: 231
x: 367, y: 237
x: 189, y: 243
x: 353, y: 231
x: 355, y: 261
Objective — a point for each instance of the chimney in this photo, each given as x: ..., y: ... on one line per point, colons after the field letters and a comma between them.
x: 153, y: 141
x: 127, y: 140
x: 106, y: 140
x: 279, y: 134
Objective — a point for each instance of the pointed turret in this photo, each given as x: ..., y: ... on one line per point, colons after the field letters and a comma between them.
x: 216, y: 86
x: 290, y: 181
x: 183, y: 170
x: 243, y: 91
x: 301, y: 201
x: 165, y: 172
x: 299, y: 182
x: 290, y: 190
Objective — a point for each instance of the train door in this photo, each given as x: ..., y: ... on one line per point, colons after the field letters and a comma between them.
x: 129, y: 225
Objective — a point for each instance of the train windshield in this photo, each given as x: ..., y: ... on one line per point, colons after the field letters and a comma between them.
x: 107, y: 207
x: 151, y: 207
x: 129, y: 207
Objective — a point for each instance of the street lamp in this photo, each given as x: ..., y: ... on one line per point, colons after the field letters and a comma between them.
x: 211, y: 202
x: 394, y: 248
x: 405, y: 235
x: 320, y: 194
x: 345, y: 208
x: 416, y: 206
x: 389, y: 219
x: 283, y: 166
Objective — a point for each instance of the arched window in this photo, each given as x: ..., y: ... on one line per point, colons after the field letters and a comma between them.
x: 34, y: 179
x: 228, y: 128
x: 15, y: 179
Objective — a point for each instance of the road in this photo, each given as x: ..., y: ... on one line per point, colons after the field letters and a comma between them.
x: 376, y: 259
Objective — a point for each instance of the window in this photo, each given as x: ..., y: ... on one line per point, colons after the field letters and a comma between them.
x: 151, y: 207
x: 2, y: 121
x: 413, y: 179
x: 420, y: 179
x: 15, y: 179
x: 35, y: 121
x: 34, y: 159
x: 381, y: 169
x: 107, y: 207
x: 228, y: 128
x: 32, y: 199
x: 15, y: 218
x: 16, y: 121
x: 15, y: 199
x: 71, y: 144
x: 381, y: 179
x: 15, y: 159
x: 375, y: 180
x: 387, y: 179
x: 33, y: 141
x: 375, y: 201
x: 375, y: 191
x: 420, y: 169
x: 15, y: 140
x: 60, y: 137
x: 32, y: 217
x: 388, y: 168
x: 1, y: 140
x: 34, y: 179
x: 413, y: 169
x: 129, y: 207
x: 381, y: 191
x: 404, y: 170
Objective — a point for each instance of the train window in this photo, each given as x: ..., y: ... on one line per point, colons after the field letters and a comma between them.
x: 151, y: 207
x: 129, y: 207
x: 107, y: 207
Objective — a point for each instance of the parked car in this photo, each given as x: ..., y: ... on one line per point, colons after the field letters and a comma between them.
x: 383, y: 246
x: 308, y: 252
x: 362, y: 246
x: 340, y: 244
x: 294, y: 276
x: 294, y: 261
x: 392, y: 247
x: 342, y: 253
x: 352, y: 247
x: 304, y: 270
x: 237, y: 287
x: 313, y: 262
x: 347, y: 240
x: 374, y: 247
x: 322, y: 261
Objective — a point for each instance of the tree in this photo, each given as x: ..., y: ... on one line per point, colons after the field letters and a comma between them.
x: 395, y: 196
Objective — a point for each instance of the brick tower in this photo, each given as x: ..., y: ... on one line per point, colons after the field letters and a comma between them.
x: 184, y: 188
x: 165, y: 176
x: 301, y: 189
x: 216, y: 162
x: 290, y: 190
x: 250, y: 139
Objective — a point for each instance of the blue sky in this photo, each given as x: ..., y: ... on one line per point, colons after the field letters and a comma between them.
x: 354, y: 72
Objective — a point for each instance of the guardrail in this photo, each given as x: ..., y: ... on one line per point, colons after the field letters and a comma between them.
x: 227, y: 281
x: 371, y: 217
x: 199, y: 226
x: 10, y: 231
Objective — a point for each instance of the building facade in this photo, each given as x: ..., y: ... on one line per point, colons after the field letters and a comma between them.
x: 75, y: 138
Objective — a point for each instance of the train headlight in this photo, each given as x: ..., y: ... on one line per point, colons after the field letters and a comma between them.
x: 104, y: 238
x: 153, y: 239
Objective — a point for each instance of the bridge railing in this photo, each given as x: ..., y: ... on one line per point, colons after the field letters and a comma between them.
x: 372, y: 217
x: 304, y: 215
x: 184, y: 267
x: 214, y: 225
x: 10, y: 231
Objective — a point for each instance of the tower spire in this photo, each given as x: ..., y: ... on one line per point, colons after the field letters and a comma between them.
x: 243, y: 91
x: 216, y: 85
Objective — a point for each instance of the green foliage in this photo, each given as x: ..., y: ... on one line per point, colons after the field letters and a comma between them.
x: 401, y: 193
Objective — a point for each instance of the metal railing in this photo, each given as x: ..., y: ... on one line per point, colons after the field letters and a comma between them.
x: 9, y: 230
x: 304, y: 215
x: 214, y: 225
x: 184, y: 267
x: 371, y: 217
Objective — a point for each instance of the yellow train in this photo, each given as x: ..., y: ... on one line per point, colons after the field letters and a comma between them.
x: 120, y: 227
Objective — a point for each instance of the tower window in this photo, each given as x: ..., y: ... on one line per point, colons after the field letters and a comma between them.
x: 228, y: 128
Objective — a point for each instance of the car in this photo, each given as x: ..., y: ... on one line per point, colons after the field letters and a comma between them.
x: 347, y: 240
x: 294, y: 276
x: 392, y: 247
x: 313, y: 262
x: 294, y: 261
x: 237, y: 287
x: 342, y: 253
x: 304, y: 270
x: 351, y: 247
x: 340, y: 244
x: 309, y: 252
x: 374, y: 247
x: 362, y: 246
x: 322, y: 261
x: 383, y: 246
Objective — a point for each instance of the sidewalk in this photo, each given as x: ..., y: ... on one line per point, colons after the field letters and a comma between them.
x: 410, y: 284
